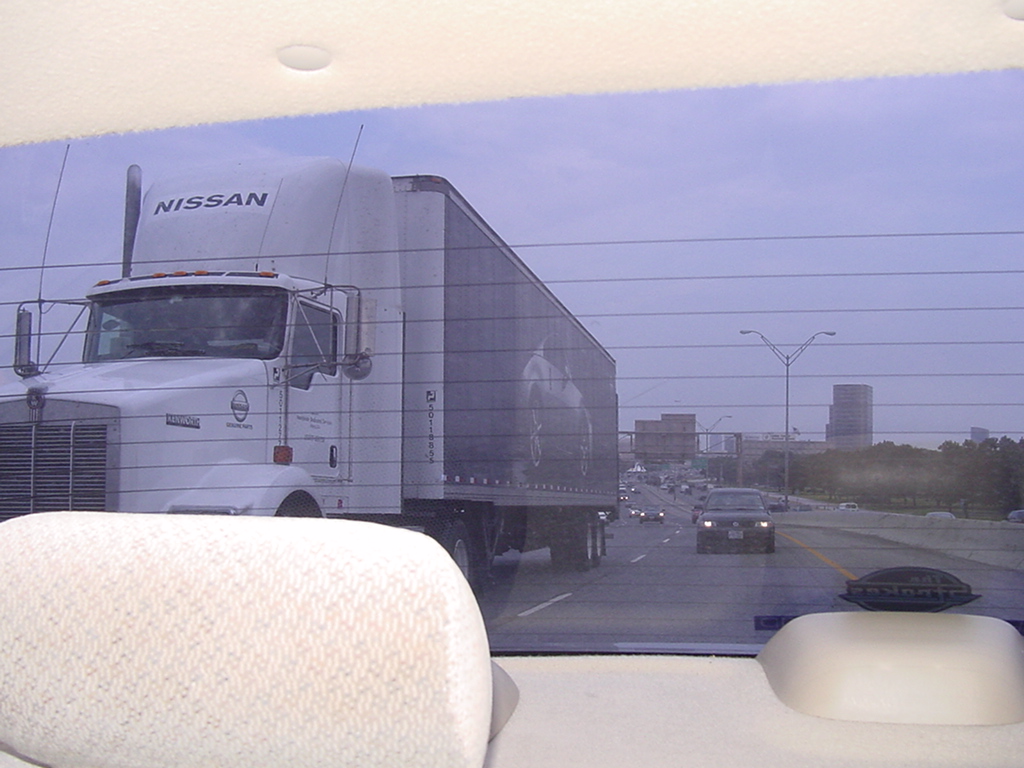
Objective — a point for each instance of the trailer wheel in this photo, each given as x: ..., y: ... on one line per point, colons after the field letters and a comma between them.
x: 298, y: 504
x: 454, y: 537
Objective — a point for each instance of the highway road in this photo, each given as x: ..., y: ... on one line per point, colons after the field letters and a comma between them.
x: 653, y: 591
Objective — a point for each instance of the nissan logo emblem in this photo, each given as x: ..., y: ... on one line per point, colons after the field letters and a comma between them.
x: 240, y: 406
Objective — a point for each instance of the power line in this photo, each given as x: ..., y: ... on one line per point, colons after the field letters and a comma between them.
x: 665, y: 241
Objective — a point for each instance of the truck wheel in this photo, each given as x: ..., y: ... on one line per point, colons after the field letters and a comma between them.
x: 454, y: 537
x: 298, y: 504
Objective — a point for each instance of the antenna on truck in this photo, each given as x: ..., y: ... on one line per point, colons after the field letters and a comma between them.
x: 49, y: 224
x: 23, y: 363
x: 344, y: 184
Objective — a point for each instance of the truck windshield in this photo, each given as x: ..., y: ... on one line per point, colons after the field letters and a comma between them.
x: 187, y: 321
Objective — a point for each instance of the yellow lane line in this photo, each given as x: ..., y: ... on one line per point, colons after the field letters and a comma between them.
x: 818, y: 555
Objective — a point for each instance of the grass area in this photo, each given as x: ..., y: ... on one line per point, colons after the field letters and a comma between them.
x: 920, y: 509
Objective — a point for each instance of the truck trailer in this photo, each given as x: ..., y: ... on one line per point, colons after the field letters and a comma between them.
x: 306, y: 337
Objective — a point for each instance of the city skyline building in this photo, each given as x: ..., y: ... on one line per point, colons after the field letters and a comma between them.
x: 850, y: 417
x: 672, y: 438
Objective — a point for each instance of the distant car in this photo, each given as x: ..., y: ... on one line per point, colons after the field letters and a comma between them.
x: 848, y: 506
x: 652, y: 515
x: 634, y: 511
x: 737, y: 518
x: 942, y: 514
x: 623, y: 496
x: 1017, y: 516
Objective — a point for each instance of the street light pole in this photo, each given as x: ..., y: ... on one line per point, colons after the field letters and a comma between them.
x: 788, y: 360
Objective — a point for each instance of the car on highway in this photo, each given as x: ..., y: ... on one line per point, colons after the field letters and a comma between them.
x: 942, y: 515
x: 848, y: 506
x: 735, y: 518
x: 652, y: 515
x: 1017, y: 516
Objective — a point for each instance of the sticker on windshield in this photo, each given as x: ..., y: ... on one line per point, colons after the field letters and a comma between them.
x: 908, y: 588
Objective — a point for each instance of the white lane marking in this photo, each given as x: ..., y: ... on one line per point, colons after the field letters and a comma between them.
x: 665, y: 541
x: 544, y: 605
x: 638, y: 558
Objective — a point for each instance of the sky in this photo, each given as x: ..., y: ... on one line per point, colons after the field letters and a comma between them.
x: 668, y: 222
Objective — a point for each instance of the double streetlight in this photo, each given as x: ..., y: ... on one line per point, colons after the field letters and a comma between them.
x: 707, y: 432
x: 707, y: 440
x: 788, y: 360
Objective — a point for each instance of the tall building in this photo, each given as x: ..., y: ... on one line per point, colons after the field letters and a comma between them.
x: 673, y: 438
x: 850, y: 418
x: 979, y: 434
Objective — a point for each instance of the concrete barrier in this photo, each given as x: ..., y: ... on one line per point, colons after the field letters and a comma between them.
x: 985, y: 541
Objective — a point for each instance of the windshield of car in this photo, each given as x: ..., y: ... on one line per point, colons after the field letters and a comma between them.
x: 720, y: 500
x: 810, y: 290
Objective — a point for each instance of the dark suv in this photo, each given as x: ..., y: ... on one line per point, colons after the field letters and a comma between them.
x: 736, y: 518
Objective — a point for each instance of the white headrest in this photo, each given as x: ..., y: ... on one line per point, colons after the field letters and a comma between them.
x: 160, y: 640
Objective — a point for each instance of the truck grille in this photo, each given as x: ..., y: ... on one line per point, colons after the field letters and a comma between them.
x: 50, y: 467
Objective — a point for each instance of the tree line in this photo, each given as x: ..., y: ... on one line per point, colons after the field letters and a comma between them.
x: 960, y: 477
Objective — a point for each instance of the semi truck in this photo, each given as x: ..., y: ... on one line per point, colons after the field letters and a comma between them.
x: 305, y: 337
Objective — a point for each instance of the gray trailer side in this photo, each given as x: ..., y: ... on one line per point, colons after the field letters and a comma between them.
x: 510, y: 418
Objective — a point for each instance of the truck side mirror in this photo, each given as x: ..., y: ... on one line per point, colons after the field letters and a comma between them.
x: 356, y: 362
x: 23, y: 365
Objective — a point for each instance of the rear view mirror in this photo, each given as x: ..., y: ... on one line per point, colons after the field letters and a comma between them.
x: 23, y: 365
x: 359, y: 315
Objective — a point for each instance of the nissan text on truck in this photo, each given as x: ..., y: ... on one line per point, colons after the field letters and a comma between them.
x: 302, y: 337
